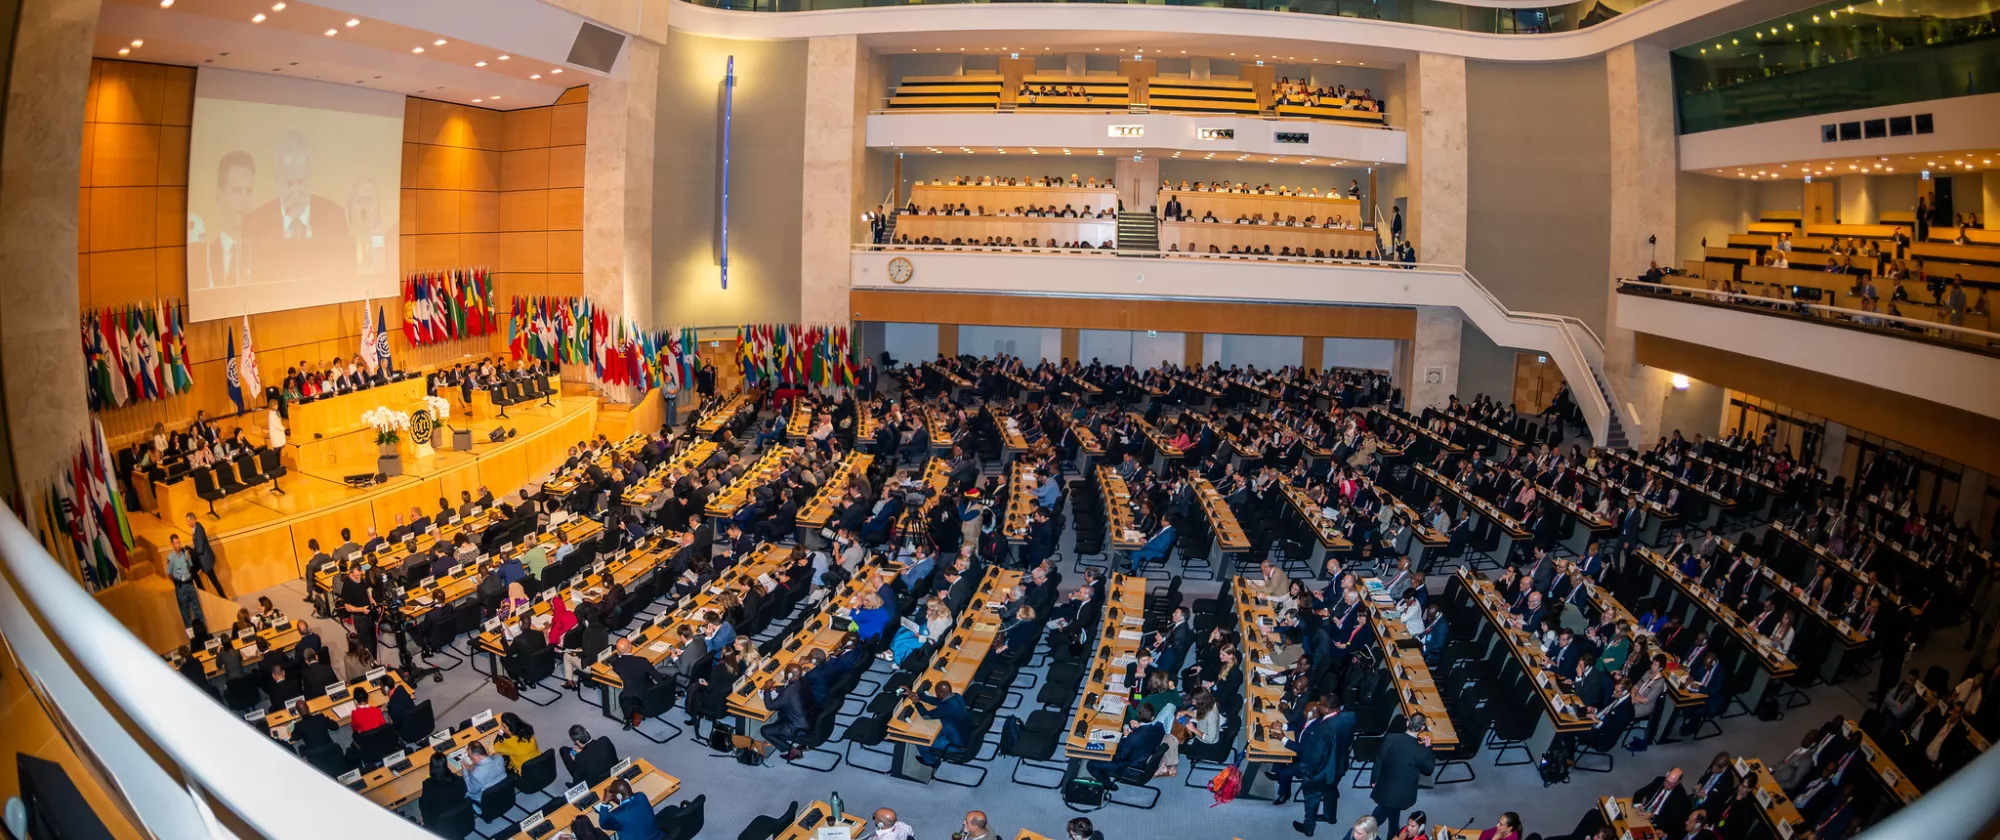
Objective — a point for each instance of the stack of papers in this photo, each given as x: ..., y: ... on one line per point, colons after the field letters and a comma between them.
x: 1112, y: 704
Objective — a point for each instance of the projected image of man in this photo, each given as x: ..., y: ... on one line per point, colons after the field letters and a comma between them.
x: 372, y: 234
x: 304, y: 231
x: 219, y: 253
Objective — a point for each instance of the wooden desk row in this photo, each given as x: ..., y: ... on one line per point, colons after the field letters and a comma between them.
x: 722, y: 415
x: 338, y: 707
x: 733, y: 496
x: 397, y: 785
x: 957, y: 661
x: 852, y: 467
x: 1327, y: 536
x: 395, y: 555
x: 1562, y: 711
x: 798, y: 426
x: 280, y: 637
x: 935, y: 476
x: 622, y: 568
x: 1416, y: 691
x: 1774, y: 664
x: 824, y: 632
x: 1263, y: 702
x: 1195, y: 236
x: 1012, y: 444
x: 1001, y: 195
x: 1120, y: 518
x: 657, y: 640
x: 642, y: 492
x: 463, y: 581
x: 1020, y: 502
x: 1829, y: 559
x: 1510, y: 528
x: 639, y: 773
x: 1097, y: 721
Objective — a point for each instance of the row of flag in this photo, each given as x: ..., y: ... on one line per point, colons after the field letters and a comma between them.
x: 80, y: 517
x: 449, y: 304
x: 136, y: 353
x: 241, y: 369
x: 796, y: 355
x: 576, y: 331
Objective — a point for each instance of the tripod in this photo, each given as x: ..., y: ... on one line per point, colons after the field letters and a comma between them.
x: 415, y: 666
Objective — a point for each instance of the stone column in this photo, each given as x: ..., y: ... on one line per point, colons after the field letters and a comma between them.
x: 836, y: 121
x: 1434, y: 358
x: 1644, y: 166
x: 1832, y: 447
x: 1438, y: 169
x: 618, y: 186
x: 1858, y: 200
x: 48, y: 413
x: 1198, y: 68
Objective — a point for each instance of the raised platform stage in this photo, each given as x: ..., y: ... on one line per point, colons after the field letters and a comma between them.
x: 260, y: 536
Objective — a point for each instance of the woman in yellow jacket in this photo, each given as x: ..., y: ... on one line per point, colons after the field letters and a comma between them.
x: 516, y: 742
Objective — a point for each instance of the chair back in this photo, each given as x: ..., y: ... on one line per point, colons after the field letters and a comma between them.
x: 376, y: 743
x: 204, y: 481
x: 537, y: 773
x: 498, y: 799
x: 267, y: 460
x: 416, y: 726
x: 688, y: 823
x: 540, y: 665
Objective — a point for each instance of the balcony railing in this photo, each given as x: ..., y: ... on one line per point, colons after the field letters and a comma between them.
x: 1915, y: 329
x: 1442, y: 14
x: 178, y: 763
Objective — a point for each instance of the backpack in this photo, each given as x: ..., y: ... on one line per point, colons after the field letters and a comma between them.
x: 719, y: 737
x: 1083, y: 793
x: 1768, y: 708
x: 1554, y: 766
x: 1228, y: 783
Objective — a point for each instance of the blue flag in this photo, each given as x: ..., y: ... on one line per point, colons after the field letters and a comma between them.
x: 381, y: 348
x: 235, y: 381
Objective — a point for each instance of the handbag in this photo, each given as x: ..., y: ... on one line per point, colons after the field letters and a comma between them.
x: 505, y: 685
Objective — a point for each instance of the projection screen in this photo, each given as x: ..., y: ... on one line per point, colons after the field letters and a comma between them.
x: 294, y: 188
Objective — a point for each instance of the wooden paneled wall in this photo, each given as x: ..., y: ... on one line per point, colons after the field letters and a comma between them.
x: 1193, y: 317
x: 1960, y: 435
x: 480, y: 188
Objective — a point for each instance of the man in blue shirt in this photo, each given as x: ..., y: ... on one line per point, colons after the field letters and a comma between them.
x: 1049, y: 492
x: 954, y: 723
x: 482, y: 771
x: 720, y: 633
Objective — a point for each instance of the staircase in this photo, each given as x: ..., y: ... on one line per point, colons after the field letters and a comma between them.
x: 889, y: 227
x: 1138, y: 231
x: 1614, y: 432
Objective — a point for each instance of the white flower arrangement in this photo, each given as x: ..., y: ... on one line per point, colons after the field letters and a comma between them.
x: 388, y: 424
x: 440, y: 408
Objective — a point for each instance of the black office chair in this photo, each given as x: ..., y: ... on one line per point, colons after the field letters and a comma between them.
x: 454, y: 822
x: 1033, y: 745
x: 683, y: 822
x: 868, y: 733
x: 765, y: 827
x: 536, y: 776
x: 372, y: 745
x: 246, y: 466
x: 416, y: 727
x: 658, y: 701
x: 206, y: 488
x: 821, y: 732
x: 225, y: 478
x: 495, y: 802
x: 1140, y: 777
x: 273, y: 468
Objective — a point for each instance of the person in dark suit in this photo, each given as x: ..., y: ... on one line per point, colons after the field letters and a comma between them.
x: 1404, y: 758
x: 588, y: 760
x: 203, y: 553
x: 954, y: 723
x: 790, y: 717
x: 1323, y: 746
x: 281, y: 687
x: 1664, y: 799
x: 635, y: 675
x: 1171, y: 642
x: 1142, y: 738
x: 1612, y: 719
x: 530, y: 641
x: 216, y: 249
x: 298, y: 233
x: 315, y: 675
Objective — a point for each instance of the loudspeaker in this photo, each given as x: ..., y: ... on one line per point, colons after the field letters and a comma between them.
x: 595, y: 47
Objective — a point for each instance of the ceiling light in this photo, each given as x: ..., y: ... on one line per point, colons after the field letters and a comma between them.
x: 416, y: 49
x: 495, y: 96
x: 478, y: 100
x: 353, y: 22
x: 479, y: 64
x: 124, y: 51
x: 332, y: 32
x: 535, y: 76
x: 438, y: 43
x: 166, y: 4
x: 136, y: 43
x: 555, y: 69
x: 277, y: 7
x: 505, y: 57
x: 257, y: 18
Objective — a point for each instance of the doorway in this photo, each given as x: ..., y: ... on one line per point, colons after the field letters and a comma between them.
x: 1941, y: 205
x: 1820, y: 205
x: 1536, y: 381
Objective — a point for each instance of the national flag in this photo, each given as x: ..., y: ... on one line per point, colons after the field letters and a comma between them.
x: 181, y: 358
x: 99, y: 373
x: 410, y: 312
x: 230, y: 368
x: 367, y: 351
x: 382, y: 356
x: 127, y: 356
x: 252, y: 383
x: 110, y: 505
x: 515, y: 338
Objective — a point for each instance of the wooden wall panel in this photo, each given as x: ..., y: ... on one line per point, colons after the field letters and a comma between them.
x: 1953, y: 433
x: 1121, y: 314
x: 132, y: 221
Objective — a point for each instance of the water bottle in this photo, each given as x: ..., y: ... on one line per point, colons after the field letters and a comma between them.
x: 837, y: 811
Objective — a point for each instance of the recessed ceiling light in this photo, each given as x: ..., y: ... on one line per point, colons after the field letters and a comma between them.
x: 257, y: 18
x: 438, y: 43
x: 479, y: 64
x: 495, y: 96
x: 277, y: 7
x: 332, y: 32
x: 505, y: 57
x: 555, y: 70
x: 124, y: 51
x: 353, y: 22
x: 137, y: 43
x: 166, y: 4
x: 479, y: 100
x: 416, y: 49
x: 535, y: 76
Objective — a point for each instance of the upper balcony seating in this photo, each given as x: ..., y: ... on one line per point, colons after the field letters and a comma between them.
x: 1070, y: 93
x: 1214, y: 96
x: 947, y: 92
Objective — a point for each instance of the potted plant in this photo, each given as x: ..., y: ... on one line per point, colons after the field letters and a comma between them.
x: 389, y: 427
